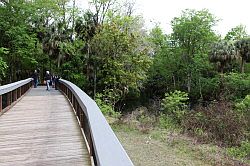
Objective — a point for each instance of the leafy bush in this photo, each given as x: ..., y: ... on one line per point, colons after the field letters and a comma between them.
x: 244, y: 105
x: 174, y: 105
x: 167, y: 122
x: 209, y: 87
x: 237, y: 85
x: 3, y: 64
x: 70, y: 71
x: 243, y: 109
x: 105, y: 107
x: 3, y: 67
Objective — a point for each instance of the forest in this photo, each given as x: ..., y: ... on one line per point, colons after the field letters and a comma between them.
x: 193, y: 79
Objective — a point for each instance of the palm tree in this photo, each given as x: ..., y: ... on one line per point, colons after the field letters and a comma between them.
x: 223, y: 52
x: 243, y: 48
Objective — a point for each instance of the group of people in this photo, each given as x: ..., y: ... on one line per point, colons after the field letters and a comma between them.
x: 49, y: 80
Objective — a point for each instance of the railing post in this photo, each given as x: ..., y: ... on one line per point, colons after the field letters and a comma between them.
x: 86, y: 129
x: 73, y: 102
x: 19, y: 92
x: 77, y: 110
x: 8, y: 98
x: 15, y: 95
x: 12, y: 97
x: 72, y: 99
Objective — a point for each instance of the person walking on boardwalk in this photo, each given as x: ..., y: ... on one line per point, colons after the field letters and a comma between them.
x: 35, y: 78
x: 47, y: 79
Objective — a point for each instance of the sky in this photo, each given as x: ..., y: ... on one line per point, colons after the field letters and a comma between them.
x: 230, y: 12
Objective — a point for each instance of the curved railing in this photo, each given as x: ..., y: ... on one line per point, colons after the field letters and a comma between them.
x: 104, y: 146
x: 10, y: 93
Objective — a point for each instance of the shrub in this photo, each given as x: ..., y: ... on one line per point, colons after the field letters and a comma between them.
x: 216, y: 122
x: 241, y: 152
x: 105, y: 107
x: 210, y: 87
x: 165, y: 122
x: 174, y: 105
x: 244, y: 105
x: 237, y: 85
x: 243, y: 109
x: 139, y: 119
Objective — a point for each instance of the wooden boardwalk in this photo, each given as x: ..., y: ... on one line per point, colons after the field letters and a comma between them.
x: 41, y: 130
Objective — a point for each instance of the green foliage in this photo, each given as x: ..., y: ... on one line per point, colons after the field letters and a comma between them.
x: 236, y: 33
x: 205, y: 88
x: 158, y: 39
x: 166, y: 68
x: 105, y: 106
x: 167, y: 122
x: 243, y: 47
x: 193, y: 31
x: 16, y: 36
x: 236, y: 85
x: 72, y: 68
x: 223, y: 52
x: 3, y: 51
x: 242, y: 152
x: 244, y: 105
x: 174, y: 105
x: 3, y: 65
x: 243, y: 108
x: 181, y: 59
x: 121, y: 60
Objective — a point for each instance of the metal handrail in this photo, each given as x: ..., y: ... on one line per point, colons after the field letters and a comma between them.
x: 103, y: 143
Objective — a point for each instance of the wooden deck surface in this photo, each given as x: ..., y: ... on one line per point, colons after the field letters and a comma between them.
x: 41, y: 130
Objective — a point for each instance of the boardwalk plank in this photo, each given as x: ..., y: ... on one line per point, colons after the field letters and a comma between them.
x: 41, y: 130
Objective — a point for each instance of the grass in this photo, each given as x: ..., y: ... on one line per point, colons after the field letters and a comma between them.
x: 161, y: 148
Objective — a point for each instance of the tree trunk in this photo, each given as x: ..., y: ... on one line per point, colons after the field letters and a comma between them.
x: 242, y: 65
x: 189, y: 82
x: 73, y: 19
x: 221, y: 90
x: 222, y: 65
x: 88, y: 61
x: 174, y: 82
x: 200, y: 88
x: 95, y: 70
